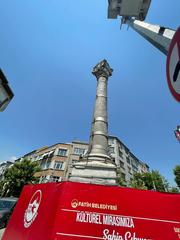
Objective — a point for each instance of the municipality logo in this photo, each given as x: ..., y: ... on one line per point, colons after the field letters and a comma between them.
x: 74, y: 203
x: 32, y: 209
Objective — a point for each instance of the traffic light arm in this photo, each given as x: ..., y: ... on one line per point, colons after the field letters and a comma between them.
x: 157, y: 35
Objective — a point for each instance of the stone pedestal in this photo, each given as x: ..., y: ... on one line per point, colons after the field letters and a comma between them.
x: 97, y: 166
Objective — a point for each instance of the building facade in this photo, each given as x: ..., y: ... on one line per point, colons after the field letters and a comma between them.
x: 56, y: 161
x: 127, y: 163
x: 53, y: 161
x: 3, y: 166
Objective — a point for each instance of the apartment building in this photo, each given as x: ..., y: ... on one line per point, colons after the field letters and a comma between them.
x: 127, y: 163
x: 3, y: 166
x: 52, y: 160
x: 56, y: 161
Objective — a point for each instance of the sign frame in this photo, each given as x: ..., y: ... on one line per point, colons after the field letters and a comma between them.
x: 175, y: 40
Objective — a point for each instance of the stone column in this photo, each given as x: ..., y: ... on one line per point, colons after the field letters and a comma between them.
x: 97, y: 166
x: 98, y: 146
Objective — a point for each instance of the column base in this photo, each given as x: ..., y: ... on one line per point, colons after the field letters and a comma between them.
x: 94, y: 171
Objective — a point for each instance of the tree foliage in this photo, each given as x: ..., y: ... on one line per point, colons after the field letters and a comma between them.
x: 174, y: 190
x: 177, y: 175
x: 1, y: 187
x: 20, y: 174
x: 120, y: 179
x: 138, y: 182
x: 159, y: 182
x: 151, y: 180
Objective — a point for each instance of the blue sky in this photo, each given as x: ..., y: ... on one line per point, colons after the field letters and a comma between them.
x: 48, y: 49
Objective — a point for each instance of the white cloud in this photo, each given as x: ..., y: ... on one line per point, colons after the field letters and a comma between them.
x: 13, y: 158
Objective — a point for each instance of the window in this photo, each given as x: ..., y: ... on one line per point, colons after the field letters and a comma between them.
x: 42, y: 165
x: 55, y: 179
x: 74, y: 161
x: 120, y: 153
x: 51, y: 154
x: 44, y: 156
x: 44, y: 179
x: 62, y: 152
x: 48, y: 164
x: 120, y: 146
x: 126, y: 150
x: 58, y: 165
x: 111, y: 150
x: 40, y: 157
x: 45, y: 165
x: 121, y: 164
x: 79, y: 151
x: 110, y: 141
x: 128, y: 160
x: 134, y: 168
x: 135, y: 162
x: 129, y: 170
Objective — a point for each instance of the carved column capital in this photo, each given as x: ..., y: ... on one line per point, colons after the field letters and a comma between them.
x: 102, y: 69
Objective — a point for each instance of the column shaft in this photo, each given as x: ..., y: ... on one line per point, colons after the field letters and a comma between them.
x: 99, y: 134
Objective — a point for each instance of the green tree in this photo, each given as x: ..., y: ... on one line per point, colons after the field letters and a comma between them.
x: 1, y: 188
x: 174, y: 190
x: 159, y: 182
x: 177, y: 175
x: 151, y: 180
x: 20, y: 174
x: 138, y: 182
x: 120, y: 179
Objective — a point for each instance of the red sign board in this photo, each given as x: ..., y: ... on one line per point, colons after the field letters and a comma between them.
x: 80, y: 211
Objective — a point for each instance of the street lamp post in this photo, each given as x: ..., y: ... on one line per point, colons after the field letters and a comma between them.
x: 134, y: 13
